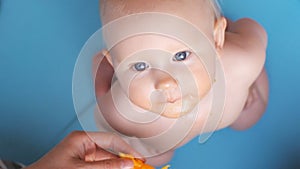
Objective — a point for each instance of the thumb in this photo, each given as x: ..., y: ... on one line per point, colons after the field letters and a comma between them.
x: 111, y: 164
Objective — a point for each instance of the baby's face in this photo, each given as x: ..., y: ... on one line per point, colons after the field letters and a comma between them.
x: 158, y: 73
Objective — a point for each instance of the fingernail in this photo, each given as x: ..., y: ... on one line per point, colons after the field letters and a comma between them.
x: 139, y: 156
x: 142, y: 159
x: 127, y: 164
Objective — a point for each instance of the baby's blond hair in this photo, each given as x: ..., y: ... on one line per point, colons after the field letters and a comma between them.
x: 214, y: 4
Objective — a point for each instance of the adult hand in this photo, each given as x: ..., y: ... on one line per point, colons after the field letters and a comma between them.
x: 81, y: 150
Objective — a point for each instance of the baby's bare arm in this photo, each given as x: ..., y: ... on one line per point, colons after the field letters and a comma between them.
x: 245, y: 49
x: 248, y: 29
x: 243, y: 57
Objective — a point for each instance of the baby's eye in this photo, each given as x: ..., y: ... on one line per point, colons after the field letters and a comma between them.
x: 140, y: 66
x: 180, y: 56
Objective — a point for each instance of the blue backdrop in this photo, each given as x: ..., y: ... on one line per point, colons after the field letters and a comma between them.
x: 39, y: 44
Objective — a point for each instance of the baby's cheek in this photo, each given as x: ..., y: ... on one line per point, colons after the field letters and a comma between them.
x: 139, y: 93
x: 204, y: 85
x: 202, y: 79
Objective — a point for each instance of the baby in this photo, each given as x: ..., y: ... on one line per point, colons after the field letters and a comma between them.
x: 141, y: 83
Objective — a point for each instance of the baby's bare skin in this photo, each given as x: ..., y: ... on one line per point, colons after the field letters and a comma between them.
x: 243, y: 58
x: 242, y: 55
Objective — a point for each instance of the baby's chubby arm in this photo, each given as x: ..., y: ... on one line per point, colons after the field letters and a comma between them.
x: 243, y: 56
x: 249, y: 29
x: 245, y: 46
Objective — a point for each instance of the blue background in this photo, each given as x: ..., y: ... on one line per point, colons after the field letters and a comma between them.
x: 39, y: 44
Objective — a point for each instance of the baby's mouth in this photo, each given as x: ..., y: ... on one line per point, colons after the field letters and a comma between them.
x: 173, y: 99
x: 185, y: 98
x: 177, y: 106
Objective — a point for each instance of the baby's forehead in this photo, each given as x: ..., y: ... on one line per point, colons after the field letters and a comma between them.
x: 114, y: 9
x: 146, y: 43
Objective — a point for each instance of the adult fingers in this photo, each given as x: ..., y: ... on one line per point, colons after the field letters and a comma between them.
x: 113, y: 142
x: 100, y: 155
x: 111, y: 164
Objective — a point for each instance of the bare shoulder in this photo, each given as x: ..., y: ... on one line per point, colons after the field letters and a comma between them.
x: 244, y: 51
x: 249, y: 29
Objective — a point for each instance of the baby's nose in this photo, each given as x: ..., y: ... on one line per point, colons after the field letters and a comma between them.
x: 165, y: 82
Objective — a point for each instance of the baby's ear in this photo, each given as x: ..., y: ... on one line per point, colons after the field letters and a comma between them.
x: 102, y: 72
x: 219, y: 32
x: 106, y: 54
x: 102, y: 60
